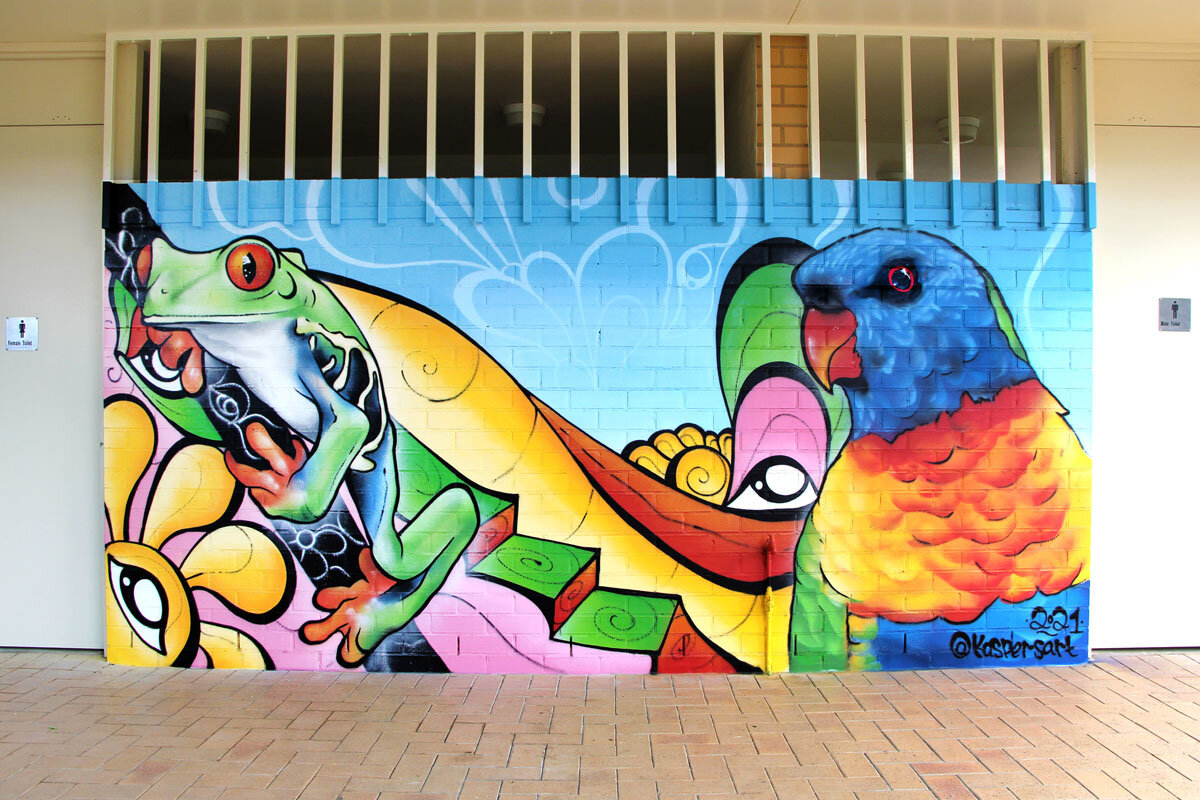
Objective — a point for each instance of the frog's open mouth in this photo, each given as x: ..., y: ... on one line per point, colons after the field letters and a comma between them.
x: 171, y: 361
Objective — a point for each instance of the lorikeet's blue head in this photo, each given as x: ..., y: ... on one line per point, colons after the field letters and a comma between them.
x: 906, y: 323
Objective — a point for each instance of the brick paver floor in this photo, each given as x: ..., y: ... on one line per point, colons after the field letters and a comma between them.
x: 1127, y: 725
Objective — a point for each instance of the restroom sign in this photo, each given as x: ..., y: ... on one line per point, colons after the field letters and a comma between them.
x: 1174, y: 314
x: 21, y: 333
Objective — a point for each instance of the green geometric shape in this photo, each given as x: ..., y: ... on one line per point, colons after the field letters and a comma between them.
x: 536, y: 565
x: 618, y: 621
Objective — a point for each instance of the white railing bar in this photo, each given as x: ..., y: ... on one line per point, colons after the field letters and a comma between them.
x: 597, y: 27
x: 110, y: 82
x: 289, y: 108
x: 339, y: 76
x: 719, y: 101
x: 575, y: 129
x: 431, y: 106
x: 860, y: 102
x: 814, y: 108
x: 1044, y: 108
x: 153, y: 110
x: 998, y: 108
x: 623, y: 93
x: 672, y: 110
x: 385, y: 96
x: 198, y: 102
x: 1089, y: 110
x: 243, y: 170
x: 767, y: 105
x: 906, y: 107
x: 527, y: 103
x: 952, y: 99
x: 478, y: 111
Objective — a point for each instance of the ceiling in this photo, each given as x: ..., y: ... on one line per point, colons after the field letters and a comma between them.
x: 1104, y: 20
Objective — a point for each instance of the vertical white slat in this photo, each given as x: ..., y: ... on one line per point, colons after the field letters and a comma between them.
x: 243, y: 170
x: 152, y: 110
x: 672, y: 111
x: 527, y: 102
x: 339, y: 75
x: 906, y: 107
x: 1089, y: 107
x: 1044, y: 108
x: 575, y: 130
x: 767, y: 103
x: 478, y: 110
x: 952, y: 98
x: 110, y: 83
x: 385, y: 98
x: 198, y: 110
x: 623, y: 92
x: 431, y: 106
x: 814, y: 107
x: 860, y: 103
x: 998, y: 107
x: 719, y: 100
x: 289, y: 109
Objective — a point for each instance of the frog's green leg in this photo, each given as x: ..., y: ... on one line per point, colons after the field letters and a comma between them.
x: 368, y: 611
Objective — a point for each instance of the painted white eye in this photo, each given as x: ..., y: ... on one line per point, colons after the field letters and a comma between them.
x: 775, y: 484
x: 142, y: 602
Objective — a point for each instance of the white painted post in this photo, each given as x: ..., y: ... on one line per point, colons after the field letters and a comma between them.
x: 153, y: 110
x: 339, y: 74
x: 479, y: 79
x: 527, y: 103
x: 198, y: 110
x: 623, y: 91
x: 672, y: 111
x: 814, y: 107
x: 719, y: 101
x: 860, y: 104
x: 1044, y: 108
x: 289, y: 109
x: 110, y: 82
x: 575, y: 130
x: 767, y: 104
x: 952, y: 89
x: 431, y: 107
x: 906, y: 107
x: 243, y: 170
x: 385, y: 96
x: 998, y: 108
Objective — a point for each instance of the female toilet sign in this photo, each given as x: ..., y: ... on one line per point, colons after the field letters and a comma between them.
x: 21, y: 333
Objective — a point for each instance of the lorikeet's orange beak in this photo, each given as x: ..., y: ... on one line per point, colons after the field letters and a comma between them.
x: 830, y: 345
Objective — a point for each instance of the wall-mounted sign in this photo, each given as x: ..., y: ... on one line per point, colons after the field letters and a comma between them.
x: 21, y: 333
x: 1174, y: 313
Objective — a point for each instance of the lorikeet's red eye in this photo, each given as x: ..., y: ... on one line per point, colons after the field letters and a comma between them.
x: 250, y: 266
x: 902, y: 278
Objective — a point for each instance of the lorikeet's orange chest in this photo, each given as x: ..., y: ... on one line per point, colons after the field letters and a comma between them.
x: 983, y: 503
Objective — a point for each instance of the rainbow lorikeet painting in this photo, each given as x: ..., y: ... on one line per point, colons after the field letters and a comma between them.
x: 891, y: 377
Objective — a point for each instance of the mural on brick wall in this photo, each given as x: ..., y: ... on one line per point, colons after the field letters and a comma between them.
x: 436, y: 436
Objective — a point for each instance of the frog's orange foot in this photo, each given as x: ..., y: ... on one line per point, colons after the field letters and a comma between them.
x: 271, y: 487
x: 352, y: 613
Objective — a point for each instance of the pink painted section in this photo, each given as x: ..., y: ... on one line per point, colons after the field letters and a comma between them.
x: 780, y: 416
x: 479, y: 627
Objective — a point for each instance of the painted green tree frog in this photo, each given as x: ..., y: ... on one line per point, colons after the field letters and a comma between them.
x: 243, y: 346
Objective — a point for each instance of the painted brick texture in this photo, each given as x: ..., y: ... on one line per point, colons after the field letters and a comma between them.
x: 456, y: 440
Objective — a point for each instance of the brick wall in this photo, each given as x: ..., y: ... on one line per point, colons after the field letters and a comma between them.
x: 789, y: 107
x: 597, y: 403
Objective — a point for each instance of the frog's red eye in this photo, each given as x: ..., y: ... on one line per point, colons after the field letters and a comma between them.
x: 902, y: 278
x: 142, y: 266
x: 250, y: 266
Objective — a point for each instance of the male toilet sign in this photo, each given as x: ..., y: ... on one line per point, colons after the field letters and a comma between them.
x: 1174, y: 314
x: 21, y: 333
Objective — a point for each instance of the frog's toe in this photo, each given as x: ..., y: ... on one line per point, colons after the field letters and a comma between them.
x: 358, y: 612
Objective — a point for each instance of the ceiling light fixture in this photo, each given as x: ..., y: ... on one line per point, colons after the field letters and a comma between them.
x: 968, y: 129
x: 514, y: 114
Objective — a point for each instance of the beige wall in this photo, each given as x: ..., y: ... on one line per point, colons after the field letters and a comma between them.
x: 50, y: 497
x: 1146, y: 534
